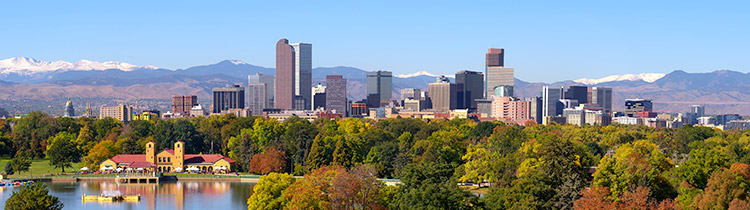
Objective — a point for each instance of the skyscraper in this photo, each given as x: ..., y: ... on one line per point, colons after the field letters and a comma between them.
x: 379, y: 87
x: 578, y: 93
x: 633, y: 106
x: 232, y: 97
x: 442, y: 96
x: 293, y: 75
x: 183, y: 103
x: 269, y: 82
x: 496, y: 74
x: 698, y: 110
x: 412, y: 93
x: 602, y: 97
x: 256, y: 97
x: 550, y: 101
x: 470, y: 85
x: 69, y: 111
x: 319, y: 96
x: 336, y: 93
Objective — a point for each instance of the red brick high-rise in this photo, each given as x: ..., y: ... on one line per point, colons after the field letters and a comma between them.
x: 182, y: 104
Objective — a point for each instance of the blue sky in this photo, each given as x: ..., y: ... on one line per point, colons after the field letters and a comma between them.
x: 544, y: 40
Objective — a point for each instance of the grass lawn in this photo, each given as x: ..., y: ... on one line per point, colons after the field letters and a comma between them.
x: 40, y: 167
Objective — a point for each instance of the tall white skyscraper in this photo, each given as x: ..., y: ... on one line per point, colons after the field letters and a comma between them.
x: 303, y: 72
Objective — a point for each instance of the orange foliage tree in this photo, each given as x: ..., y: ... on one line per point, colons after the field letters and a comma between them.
x: 272, y: 160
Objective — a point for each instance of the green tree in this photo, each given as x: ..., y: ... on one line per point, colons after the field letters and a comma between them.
x: 8, y: 168
x: 321, y: 152
x: 298, y: 139
x: 635, y: 164
x: 33, y: 197
x: 20, y: 163
x: 243, y: 148
x: 104, y: 127
x: 100, y: 152
x: 31, y: 133
x: 267, y: 130
x: 268, y: 193
x: 431, y: 186
x: 63, y: 153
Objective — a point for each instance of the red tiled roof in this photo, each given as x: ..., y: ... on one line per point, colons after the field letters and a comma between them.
x: 129, y: 158
x: 171, y: 151
x: 141, y: 164
x: 206, y: 158
x: 189, y: 158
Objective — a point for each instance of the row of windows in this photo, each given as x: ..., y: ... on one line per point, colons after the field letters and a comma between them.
x: 164, y: 159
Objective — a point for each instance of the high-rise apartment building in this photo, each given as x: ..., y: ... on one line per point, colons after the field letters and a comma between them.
x: 633, y: 106
x: 183, y: 103
x: 602, y: 97
x: 511, y: 108
x: 551, y: 101
x: 442, y: 96
x: 379, y: 88
x: 698, y: 110
x: 227, y: 98
x: 336, y: 94
x: 470, y: 85
x: 120, y: 112
x: 496, y: 74
x: 293, y: 76
x: 578, y: 93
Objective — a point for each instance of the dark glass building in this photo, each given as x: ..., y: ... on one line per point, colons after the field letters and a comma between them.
x: 470, y: 86
x: 579, y: 93
x: 228, y: 98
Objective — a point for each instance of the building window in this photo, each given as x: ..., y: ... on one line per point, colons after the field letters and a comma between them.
x: 168, y: 159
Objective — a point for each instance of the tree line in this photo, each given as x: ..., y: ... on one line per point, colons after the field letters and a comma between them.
x: 515, y: 166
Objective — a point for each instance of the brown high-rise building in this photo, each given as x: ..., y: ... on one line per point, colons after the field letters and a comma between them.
x: 183, y: 104
x: 293, y: 75
x: 495, y: 57
x: 284, y: 98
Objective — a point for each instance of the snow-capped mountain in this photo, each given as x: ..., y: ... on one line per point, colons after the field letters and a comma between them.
x: 31, y: 66
x: 421, y: 73
x: 646, y: 77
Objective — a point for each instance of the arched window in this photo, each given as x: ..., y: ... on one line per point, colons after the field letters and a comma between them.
x: 160, y: 159
x: 149, y: 145
x: 178, y: 145
x: 169, y: 159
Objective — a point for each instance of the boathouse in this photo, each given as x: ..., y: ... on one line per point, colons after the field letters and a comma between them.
x: 169, y: 160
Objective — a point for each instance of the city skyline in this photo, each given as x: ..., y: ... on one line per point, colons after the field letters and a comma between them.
x: 554, y: 40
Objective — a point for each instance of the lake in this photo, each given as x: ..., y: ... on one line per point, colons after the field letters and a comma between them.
x: 171, y: 195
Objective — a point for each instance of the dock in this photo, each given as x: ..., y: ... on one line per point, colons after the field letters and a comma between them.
x: 137, y: 180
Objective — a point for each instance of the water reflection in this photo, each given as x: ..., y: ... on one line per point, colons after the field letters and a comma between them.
x: 176, y: 195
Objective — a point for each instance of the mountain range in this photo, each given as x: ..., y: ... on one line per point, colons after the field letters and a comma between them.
x: 27, y: 84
